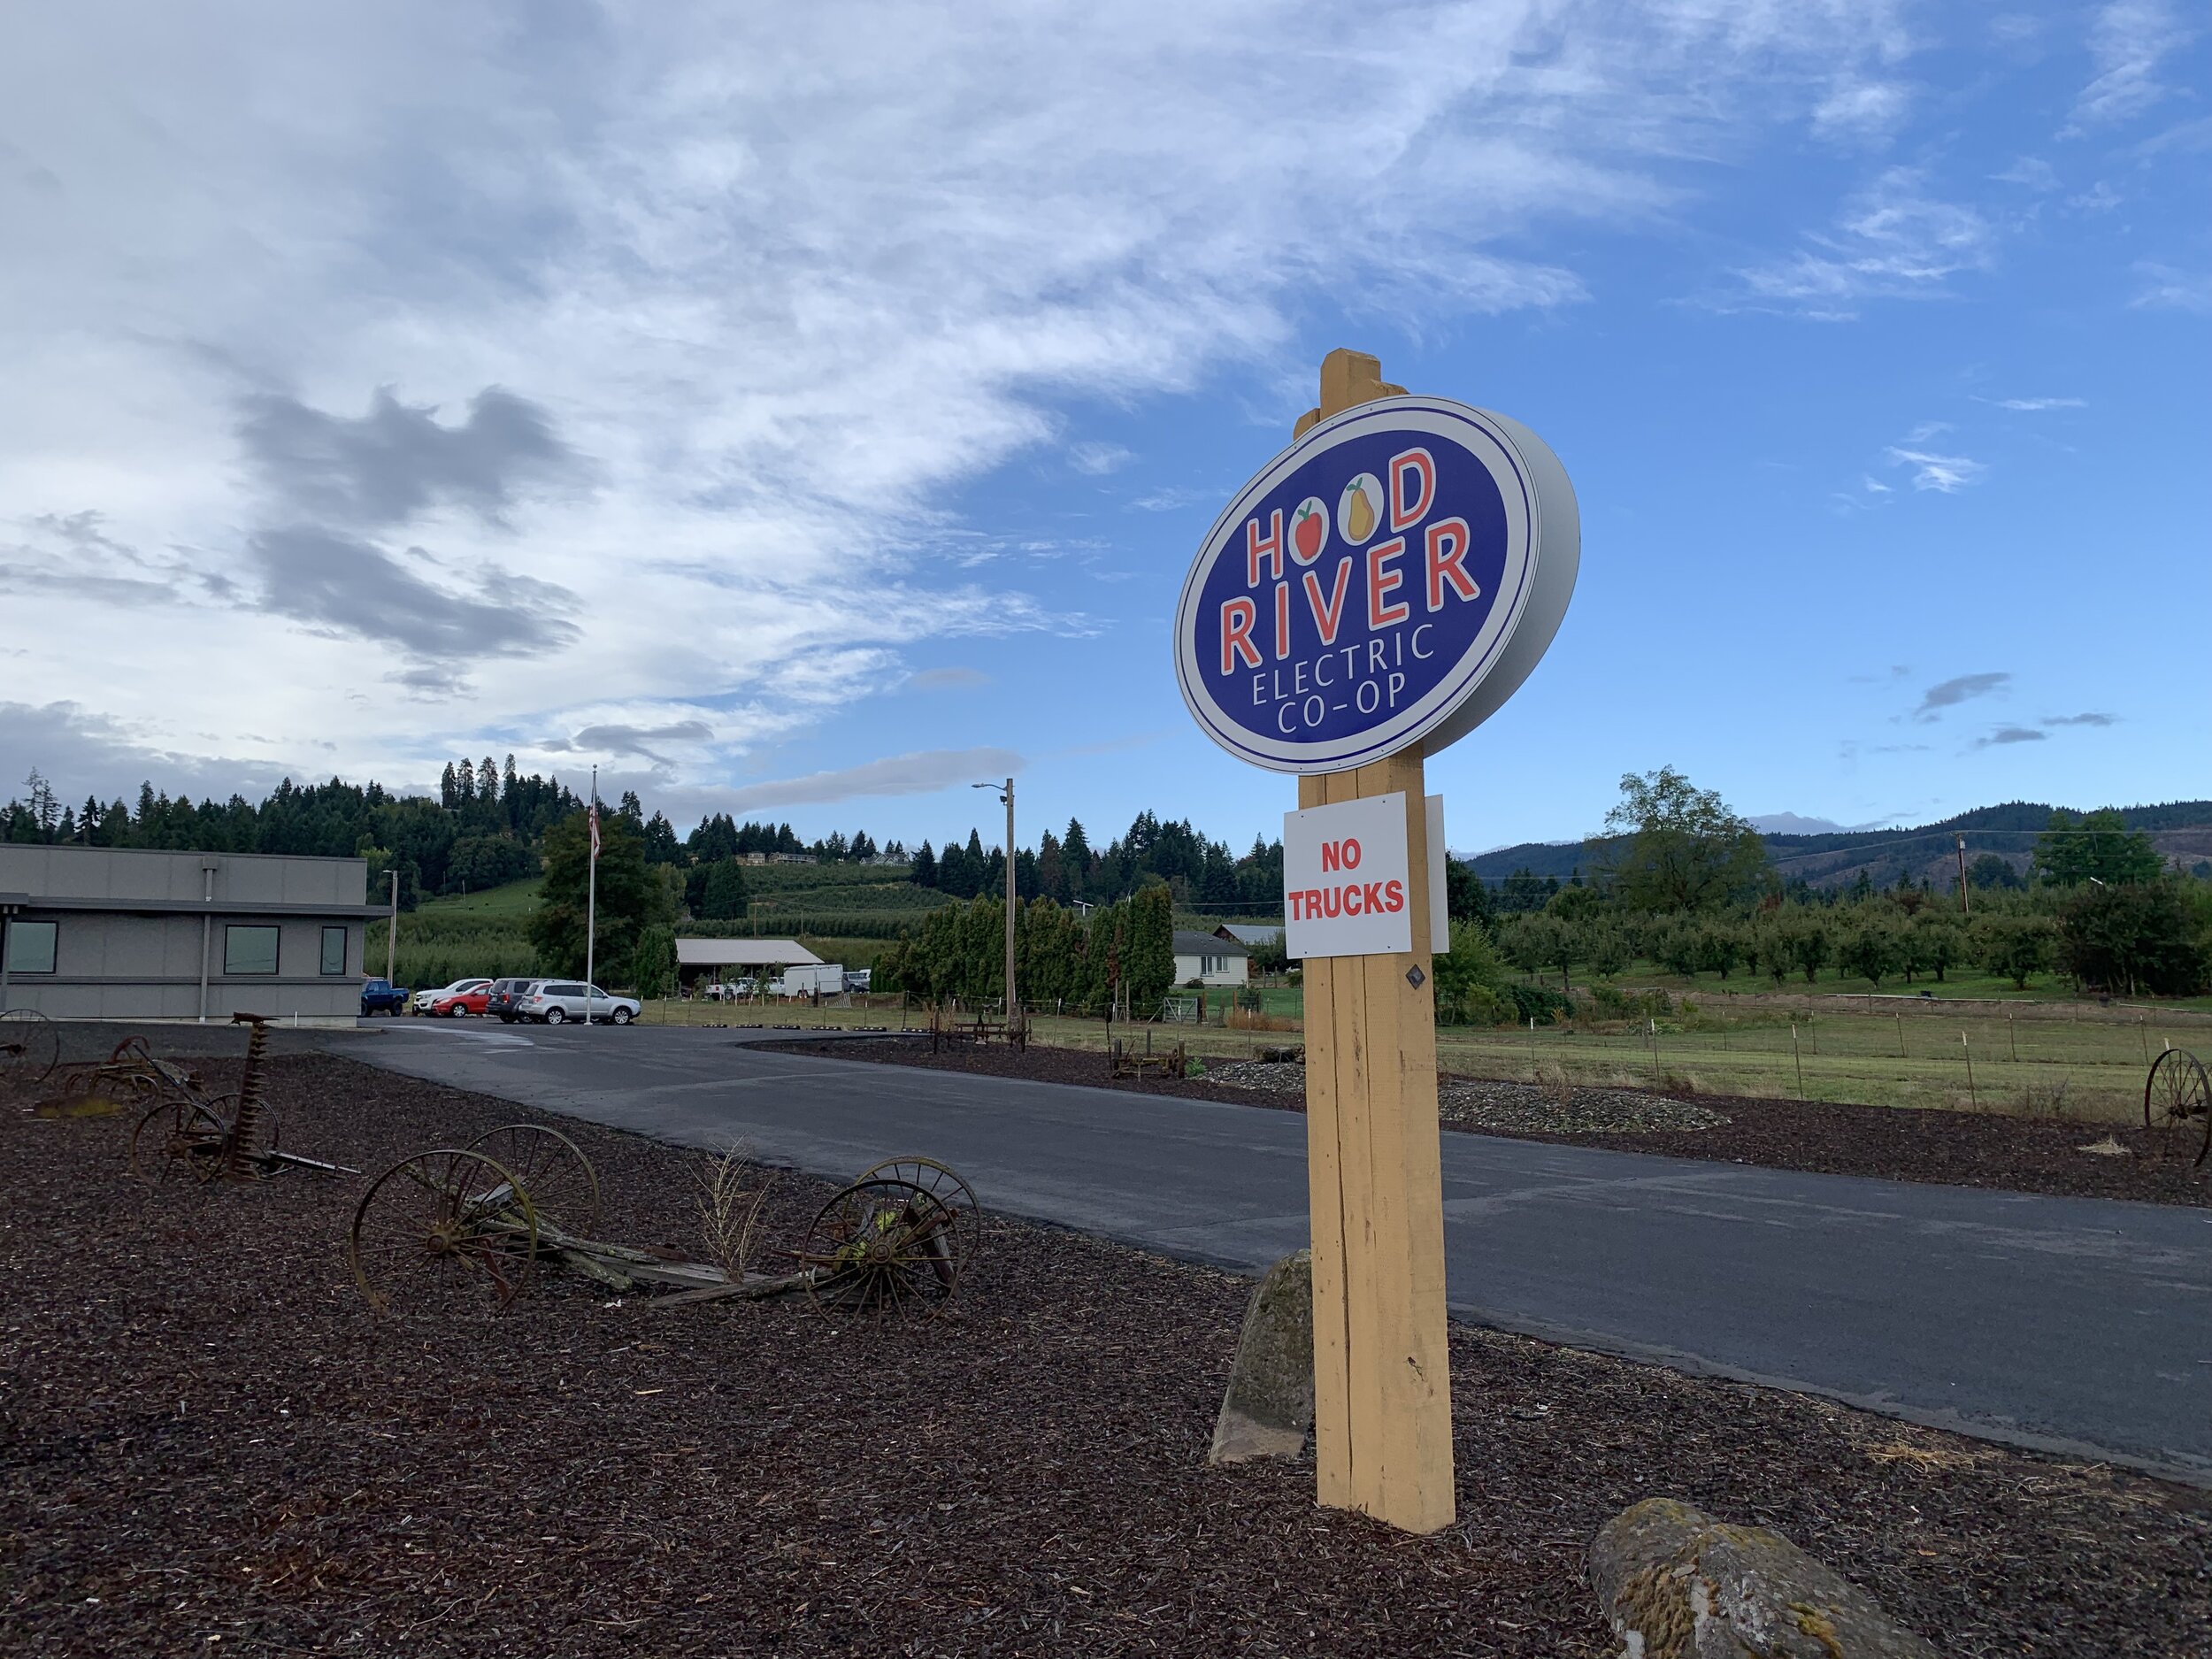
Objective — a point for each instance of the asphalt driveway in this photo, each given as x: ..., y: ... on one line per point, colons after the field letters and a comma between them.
x: 2080, y: 1326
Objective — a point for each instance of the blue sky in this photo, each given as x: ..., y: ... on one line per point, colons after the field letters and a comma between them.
x: 808, y: 417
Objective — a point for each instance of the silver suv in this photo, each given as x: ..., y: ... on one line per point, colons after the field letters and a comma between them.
x: 555, y: 1002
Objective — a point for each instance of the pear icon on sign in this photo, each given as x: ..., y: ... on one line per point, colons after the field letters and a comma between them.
x: 1360, y: 509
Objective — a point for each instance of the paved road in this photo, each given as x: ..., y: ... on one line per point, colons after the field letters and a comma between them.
x: 2080, y: 1326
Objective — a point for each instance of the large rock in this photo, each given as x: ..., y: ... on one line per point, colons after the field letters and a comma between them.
x: 1268, y: 1408
x: 1677, y: 1584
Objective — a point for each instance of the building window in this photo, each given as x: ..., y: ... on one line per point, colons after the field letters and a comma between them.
x: 31, y: 946
x: 334, y: 951
x: 250, y: 949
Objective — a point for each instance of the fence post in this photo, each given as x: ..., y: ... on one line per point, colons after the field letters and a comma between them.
x: 1654, y: 1052
x: 2012, y: 1039
x: 1901, y: 1034
x: 1972, y: 1099
x: 1798, y: 1060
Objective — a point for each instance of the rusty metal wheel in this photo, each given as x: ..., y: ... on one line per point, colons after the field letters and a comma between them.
x: 30, y: 1047
x: 2178, y: 1105
x: 944, y: 1183
x: 563, y: 1187
x: 177, y: 1136
x: 885, y: 1248
x: 445, y: 1231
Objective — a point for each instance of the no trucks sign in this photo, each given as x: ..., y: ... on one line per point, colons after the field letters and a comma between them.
x: 1384, y: 584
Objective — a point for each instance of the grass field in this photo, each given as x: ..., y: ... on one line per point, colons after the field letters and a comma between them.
x: 449, y: 938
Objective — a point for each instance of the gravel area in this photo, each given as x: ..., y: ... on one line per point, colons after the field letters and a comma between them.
x: 1514, y: 1109
x: 1893, y: 1143
x: 207, y: 1446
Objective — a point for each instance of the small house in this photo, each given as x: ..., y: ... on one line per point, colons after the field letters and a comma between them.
x: 1211, y: 959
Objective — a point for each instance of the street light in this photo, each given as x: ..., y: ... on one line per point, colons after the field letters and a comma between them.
x: 1005, y: 792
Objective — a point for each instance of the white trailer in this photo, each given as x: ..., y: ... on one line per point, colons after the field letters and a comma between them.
x: 825, y: 979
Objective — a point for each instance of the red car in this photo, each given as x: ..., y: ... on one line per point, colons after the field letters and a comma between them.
x: 466, y: 1002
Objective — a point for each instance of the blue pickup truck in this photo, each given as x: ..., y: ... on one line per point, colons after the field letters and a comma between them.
x: 381, y: 996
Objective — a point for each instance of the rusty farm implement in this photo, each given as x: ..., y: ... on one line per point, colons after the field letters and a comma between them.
x: 461, y: 1229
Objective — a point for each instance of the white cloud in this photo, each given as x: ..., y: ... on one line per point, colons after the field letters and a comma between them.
x: 1947, y: 473
x: 2031, y: 172
x: 922, y: 773
x: 2037, y: 405
x: 1861, y: 110
x: 1096, y: 460
x: 645, y: 350
x: 1890, y: 241
x: 2126, y: 43
x: 2167, y: 288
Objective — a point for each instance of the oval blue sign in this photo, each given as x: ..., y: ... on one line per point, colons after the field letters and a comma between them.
x: 1388, y: 580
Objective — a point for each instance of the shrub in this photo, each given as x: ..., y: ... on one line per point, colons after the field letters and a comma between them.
x: 2131, y: 939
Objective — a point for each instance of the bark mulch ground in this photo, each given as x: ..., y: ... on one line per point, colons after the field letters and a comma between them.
x: 208, y: 1447
x: 1894, y: 1143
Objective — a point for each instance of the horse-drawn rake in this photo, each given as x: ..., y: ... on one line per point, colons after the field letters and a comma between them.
x: 209, y: 1137
x: 2178, y: 1105
x: 461, y: 1229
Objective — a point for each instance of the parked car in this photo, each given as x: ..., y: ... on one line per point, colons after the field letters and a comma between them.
x: 555, y: 1002
x: 731, y: 991
x: 858, y: 979
x: 504, y: 997
x: 381, y: 996
x: 454, y: 1004
x: 424, y: 999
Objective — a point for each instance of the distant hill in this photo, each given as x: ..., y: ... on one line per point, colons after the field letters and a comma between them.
x: 2180, y: 829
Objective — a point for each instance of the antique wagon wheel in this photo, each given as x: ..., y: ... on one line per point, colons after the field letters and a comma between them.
x: 882, y: 1246
x: 447, y: 1223
x: 2178, y: 1103
x: 30, y: 1047
x: 946, y: 1184
x: 563, y: 1187
x: 178, y: 1132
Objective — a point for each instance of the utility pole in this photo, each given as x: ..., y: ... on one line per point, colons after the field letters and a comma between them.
x: 1013, y: 1002
x: 391, y: 936
x: 591, y: 901
x: 1964, y: 908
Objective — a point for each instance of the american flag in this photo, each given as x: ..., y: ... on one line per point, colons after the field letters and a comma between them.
x: 595, y: 829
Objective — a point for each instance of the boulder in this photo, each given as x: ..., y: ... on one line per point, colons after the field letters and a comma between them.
x: 1268, y: 1408
x: 1677, y: 1584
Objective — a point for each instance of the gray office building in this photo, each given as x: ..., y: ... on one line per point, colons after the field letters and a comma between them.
x: 105, y: 933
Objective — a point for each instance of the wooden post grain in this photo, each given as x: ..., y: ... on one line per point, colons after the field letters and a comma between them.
x: 1382, y: 1378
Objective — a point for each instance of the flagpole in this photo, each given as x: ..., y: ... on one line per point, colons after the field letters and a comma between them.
x: 591, y: 901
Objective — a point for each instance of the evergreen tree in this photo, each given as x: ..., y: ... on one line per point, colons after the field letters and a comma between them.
x: 923, y: 872
x: 629, y: 899
x: 724, y: 897
x: 1151, y: 949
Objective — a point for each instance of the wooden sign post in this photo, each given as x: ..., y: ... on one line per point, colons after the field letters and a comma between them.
x: 1382, y: 1400
x: 1374, y: 594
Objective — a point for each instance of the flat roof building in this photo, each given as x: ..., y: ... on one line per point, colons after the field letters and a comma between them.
x: 112, y: 932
